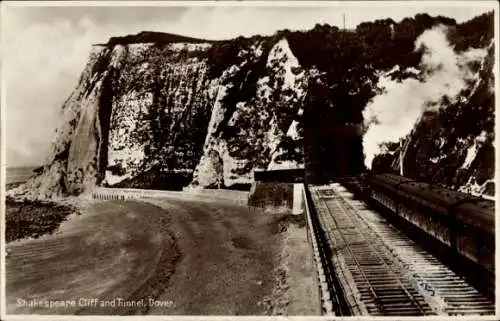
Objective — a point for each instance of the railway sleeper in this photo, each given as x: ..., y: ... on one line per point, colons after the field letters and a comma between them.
x: 467, y: 303
x: 392, y: 289
x: 406, y: 313
x: 451, y: 287
x: 390, y: 299
x: 373, y: 279
x: 401, y: 300
x: 386, y: 284
x: 471, y: 312
x: 372, y: 300
x: 381, y: 277
x: 462, y: 296
x: 398, y: 310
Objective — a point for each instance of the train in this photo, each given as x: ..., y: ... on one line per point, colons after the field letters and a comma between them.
x: 463, y: 224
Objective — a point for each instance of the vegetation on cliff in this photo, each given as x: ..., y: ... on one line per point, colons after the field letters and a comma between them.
x: 453, y: 144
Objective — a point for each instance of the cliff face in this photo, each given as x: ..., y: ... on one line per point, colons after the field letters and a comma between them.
x: 73, y: 161
x: 251, y: 133
x: 159, y: 114
x: 163, y: 111
x: 149, y: 115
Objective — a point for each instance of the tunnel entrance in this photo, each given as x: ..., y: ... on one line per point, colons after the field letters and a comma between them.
x: 333, y: 142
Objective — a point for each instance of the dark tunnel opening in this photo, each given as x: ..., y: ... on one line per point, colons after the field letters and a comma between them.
x: 333, y: 141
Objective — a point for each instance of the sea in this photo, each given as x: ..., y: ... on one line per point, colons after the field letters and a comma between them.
x: 18, y: 174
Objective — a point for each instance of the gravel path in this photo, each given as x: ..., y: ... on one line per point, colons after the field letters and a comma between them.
x: 228, y: 257
x: 172, y: 256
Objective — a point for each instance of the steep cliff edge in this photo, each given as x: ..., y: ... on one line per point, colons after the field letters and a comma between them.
x: 163, y: 111
x: 73, y: 163
x: 157, y: 115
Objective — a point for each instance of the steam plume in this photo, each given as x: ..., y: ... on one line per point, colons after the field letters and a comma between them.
x: 392, y: 114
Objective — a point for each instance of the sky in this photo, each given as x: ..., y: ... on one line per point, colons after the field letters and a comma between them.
x: 44, y: 49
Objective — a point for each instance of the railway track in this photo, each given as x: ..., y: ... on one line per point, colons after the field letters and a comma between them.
x: 381, y: 272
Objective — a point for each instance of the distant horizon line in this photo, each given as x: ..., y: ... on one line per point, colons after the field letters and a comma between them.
x: 22, y: 166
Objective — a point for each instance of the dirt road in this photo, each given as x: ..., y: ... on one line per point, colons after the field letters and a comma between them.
x: 171, y: 256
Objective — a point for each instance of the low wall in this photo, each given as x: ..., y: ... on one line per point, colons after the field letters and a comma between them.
x: 129, y: 193
x: 239, y: 197
x: 276, y: 194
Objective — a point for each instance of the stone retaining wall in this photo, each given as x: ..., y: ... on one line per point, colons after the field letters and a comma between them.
x: 239, y: 197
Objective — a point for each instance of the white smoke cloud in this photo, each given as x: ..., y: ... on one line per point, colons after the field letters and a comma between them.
x: 392, y: 114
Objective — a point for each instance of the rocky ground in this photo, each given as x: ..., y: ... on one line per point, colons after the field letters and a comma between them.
x: 32, y: 219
